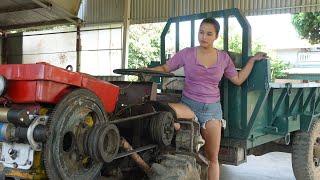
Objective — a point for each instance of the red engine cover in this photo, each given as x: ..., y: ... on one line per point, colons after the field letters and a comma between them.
x: 44, y: 83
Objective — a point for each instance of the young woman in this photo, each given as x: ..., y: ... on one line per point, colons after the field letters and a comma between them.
x: 204, y: 67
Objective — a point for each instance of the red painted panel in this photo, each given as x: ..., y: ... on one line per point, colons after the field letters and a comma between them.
x: 50, y: 92
x: 21, y: 91
x: 29, y: 83
x: 107, y: 92
x: 40, y: 71
x: 35, y: 91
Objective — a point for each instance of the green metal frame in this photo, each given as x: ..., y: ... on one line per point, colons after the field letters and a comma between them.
x: 225, y: 14
x: 258, y: 111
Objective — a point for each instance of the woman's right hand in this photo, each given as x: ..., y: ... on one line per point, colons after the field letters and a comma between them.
x: 259, y: 56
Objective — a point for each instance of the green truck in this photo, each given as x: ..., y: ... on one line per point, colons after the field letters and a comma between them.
x: 261, y: 116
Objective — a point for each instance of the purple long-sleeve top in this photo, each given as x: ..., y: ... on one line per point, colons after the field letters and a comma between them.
x: 201, y: 83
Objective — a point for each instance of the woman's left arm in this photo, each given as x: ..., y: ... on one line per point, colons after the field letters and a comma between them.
x: 244, y: 73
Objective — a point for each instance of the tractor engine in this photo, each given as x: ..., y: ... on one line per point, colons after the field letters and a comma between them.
x: 21, y: 135
x: 59, y: 124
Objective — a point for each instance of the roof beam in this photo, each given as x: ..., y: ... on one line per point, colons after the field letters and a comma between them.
x: 34, y: 24
x: 24, y: 7
x: 58, y: 11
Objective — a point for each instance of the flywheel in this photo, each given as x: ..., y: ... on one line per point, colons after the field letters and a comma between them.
x: 80, y: 139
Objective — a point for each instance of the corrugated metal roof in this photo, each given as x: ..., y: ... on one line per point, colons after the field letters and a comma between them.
x: 186, y: 7
x: 24, y: 13
x: 143, y: 11
x: 27, y: 13
x: 259, y: 7
x: 102, y: 11
x: 146, y: 11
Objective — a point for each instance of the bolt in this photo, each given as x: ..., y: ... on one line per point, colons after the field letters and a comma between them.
x: 13, y: 153
x: 38, y: 146
x: 28, y: 162
x: 15, y: 165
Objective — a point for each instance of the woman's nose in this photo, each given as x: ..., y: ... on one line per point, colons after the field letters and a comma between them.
x: 204, y: 37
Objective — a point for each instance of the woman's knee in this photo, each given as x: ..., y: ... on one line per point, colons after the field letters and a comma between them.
x: 213, y: 157
x: 214, y: 160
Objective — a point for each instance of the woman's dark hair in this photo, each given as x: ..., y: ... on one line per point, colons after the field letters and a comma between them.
x: 212, y: 21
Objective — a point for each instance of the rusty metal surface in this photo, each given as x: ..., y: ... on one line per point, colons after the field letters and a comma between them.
x: 135, y: 156
x: 69, y: 150
x: 188, y: 138
x: 178, y: 166
x: 135, y: 92
x: 161, y: 128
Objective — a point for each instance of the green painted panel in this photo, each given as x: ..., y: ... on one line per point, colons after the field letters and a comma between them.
x: 258, y: 111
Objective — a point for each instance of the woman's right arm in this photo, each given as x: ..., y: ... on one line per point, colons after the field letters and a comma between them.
x: 173, y: 63
x: 161, y: 68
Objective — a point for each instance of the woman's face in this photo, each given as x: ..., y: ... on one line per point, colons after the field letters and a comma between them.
x: 207, y: 35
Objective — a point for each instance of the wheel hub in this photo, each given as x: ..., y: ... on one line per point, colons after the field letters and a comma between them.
x: 81, y: 138
x: 103, y: 142
x: 161, y: 128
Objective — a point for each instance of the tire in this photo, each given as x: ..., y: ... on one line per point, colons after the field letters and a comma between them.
x: 305, y: 162
x: 176, y: 167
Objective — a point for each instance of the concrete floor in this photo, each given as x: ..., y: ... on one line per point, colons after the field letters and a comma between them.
x: 275, y: 166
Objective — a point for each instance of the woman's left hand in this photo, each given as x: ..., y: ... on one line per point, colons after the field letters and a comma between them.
x: 259, y: 56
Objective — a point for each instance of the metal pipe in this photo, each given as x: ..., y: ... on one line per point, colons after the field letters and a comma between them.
x: 78, y: 49
x: 135, y: 156
x: 19, y: 117
x: 4, y: 114
x: 6, y: 132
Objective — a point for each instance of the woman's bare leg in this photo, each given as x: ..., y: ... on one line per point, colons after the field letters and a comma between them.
x: 212, y: 137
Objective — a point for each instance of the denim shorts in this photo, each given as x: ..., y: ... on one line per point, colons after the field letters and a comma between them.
x: 204, y: 111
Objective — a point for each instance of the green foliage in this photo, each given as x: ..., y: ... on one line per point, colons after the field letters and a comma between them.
x: 277, y: 65
x: 308, y: 26
x: 144, y: 44
x: 277, y: 68
x: 235, y: 44
x: 144, y: 47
